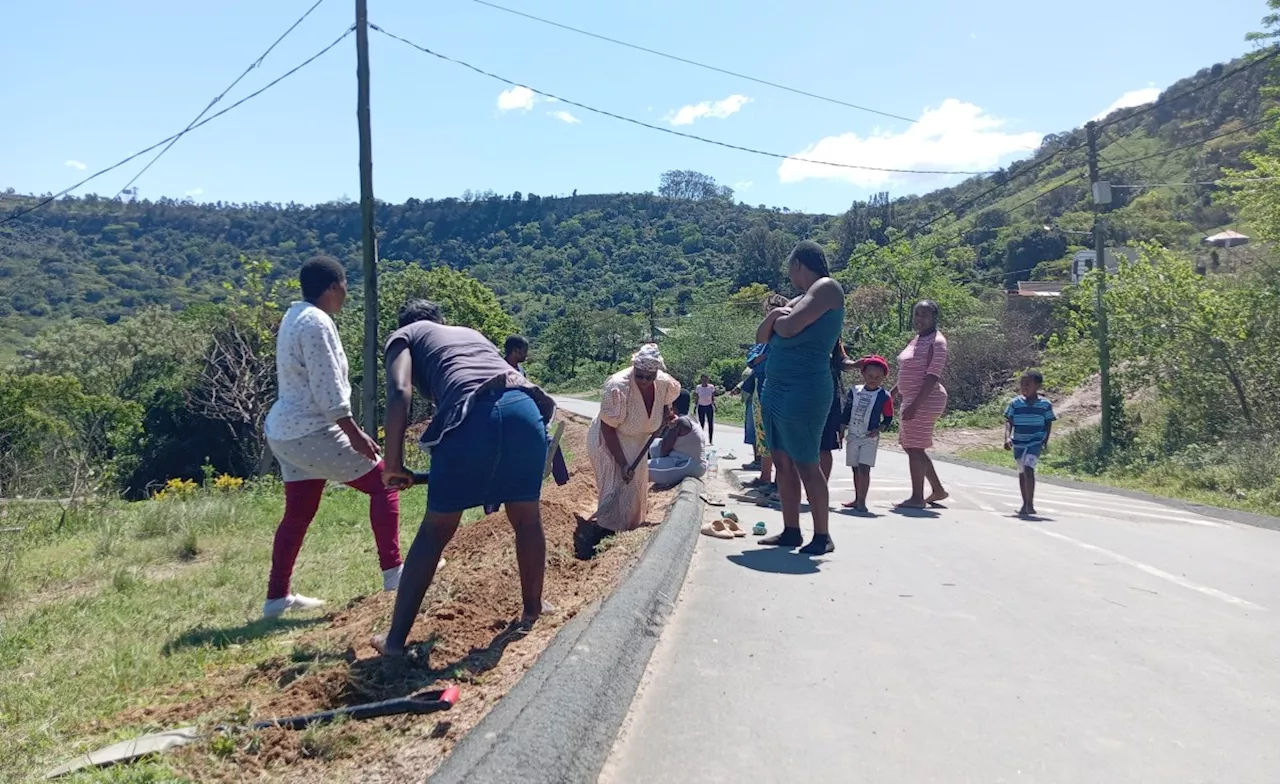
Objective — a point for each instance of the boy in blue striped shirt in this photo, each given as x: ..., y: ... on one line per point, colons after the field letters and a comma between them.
x: 1029, y: 419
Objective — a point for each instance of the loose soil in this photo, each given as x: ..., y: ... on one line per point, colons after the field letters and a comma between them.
x: 464, y: 635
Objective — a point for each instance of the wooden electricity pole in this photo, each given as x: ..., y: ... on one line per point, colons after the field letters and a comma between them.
x: 1100, y: 262
x: 368, y: 237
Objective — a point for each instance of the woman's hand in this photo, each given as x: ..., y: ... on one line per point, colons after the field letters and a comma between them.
x: 396, y: 477
x: 909, y: 412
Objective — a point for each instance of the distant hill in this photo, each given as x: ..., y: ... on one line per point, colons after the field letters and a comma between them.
x: 102, y: 259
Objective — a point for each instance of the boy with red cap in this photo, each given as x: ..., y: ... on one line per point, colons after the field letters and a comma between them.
x: 868, y: 409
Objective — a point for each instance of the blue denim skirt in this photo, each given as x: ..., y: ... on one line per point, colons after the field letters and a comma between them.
x: 495, y: 456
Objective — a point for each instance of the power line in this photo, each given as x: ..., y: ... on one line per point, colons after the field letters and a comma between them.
x: 1189, y: 184
x: 220, y: 96
x: 1199, y: 230
x: 206, y: 120
x: 659, y: 128
x: 1188, y: 145
x: 954, y: 211
x: 694, y: 63
x: 1220, y: 77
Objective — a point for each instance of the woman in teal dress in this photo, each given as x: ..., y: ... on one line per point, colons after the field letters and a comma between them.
x: 801, y: 337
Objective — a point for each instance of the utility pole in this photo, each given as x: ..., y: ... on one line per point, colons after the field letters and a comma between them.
x: 368, y: 237
x: 1101, y: 197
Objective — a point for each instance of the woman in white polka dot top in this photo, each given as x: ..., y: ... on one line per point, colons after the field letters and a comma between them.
x: 313, y: 435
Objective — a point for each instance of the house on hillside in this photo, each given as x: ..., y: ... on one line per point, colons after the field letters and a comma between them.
x: 1084, y: 260
x: 1221, y: 249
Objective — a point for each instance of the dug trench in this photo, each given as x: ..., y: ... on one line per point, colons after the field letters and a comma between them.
x: 463, y: 635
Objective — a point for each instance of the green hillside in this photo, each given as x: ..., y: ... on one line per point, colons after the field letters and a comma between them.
x: 95, y: 258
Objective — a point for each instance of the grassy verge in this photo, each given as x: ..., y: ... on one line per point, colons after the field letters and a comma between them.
x: 1162, y: 480
x: 108, y: 603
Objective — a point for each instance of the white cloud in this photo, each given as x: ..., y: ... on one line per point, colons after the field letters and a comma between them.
x: 1131, y: 99
x: 564, y: 116
x: 195, y: 192
x: 743, y: 186
x: 687, y: 115
x: 521, y: 98
x: 954, y: 136
x: 75, y: 165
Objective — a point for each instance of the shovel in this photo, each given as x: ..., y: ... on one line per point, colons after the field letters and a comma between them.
x: 155, y: 743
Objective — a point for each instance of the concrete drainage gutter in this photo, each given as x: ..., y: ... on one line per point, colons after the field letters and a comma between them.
x: 558, y: 724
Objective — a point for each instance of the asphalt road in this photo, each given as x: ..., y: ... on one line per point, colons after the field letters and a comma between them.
x: 1114, y: 640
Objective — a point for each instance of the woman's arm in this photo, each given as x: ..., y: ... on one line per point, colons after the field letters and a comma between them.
x: 823, y: 296
x: 669, y: 440
x: 609, y: 435
x: 399, y: 365
x: 765, y: 330
x: 926, y: 389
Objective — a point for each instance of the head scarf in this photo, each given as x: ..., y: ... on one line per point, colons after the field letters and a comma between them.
x: 648, y: 359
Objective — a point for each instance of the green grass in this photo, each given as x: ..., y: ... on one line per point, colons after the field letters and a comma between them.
x: 989, y: 414
x: 1159, y: 480
x: 102, y: 607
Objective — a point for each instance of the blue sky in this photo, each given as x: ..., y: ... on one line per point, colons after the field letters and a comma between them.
x: 92, y: 81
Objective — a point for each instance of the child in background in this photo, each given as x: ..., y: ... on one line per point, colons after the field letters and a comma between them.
x: 868, y: 409
x: 1028, y: 421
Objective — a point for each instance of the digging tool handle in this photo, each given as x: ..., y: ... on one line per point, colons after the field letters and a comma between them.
x: 425, y: 702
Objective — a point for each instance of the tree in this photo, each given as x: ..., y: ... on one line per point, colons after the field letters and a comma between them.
x: 692, y: 186
x: 56, y: 438
x: 1205, y: 342
x: 237, y: 381
x: 761, y: 253
x: 464, y: 300
x: 565, y: 343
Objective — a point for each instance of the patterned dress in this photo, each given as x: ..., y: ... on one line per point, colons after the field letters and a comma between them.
x: 925, y: 355
x: 623, y: 504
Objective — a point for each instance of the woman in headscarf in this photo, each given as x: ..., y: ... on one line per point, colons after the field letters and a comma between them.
x: 801, y: 337
x: 635, y: 404
x: 923, y: 398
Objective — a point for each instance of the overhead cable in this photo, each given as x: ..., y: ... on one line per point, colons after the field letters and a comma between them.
x: 49, y: 200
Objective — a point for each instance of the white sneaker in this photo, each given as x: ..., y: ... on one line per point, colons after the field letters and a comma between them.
x: 391, y: 578
x: 274, y: 608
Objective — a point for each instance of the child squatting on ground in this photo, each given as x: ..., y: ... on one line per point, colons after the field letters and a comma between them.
x: 1029, y: 419
x: 868, y: 409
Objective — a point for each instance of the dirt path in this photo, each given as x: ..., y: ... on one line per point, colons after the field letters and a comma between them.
x: 1080, y: 408
x: 463, y: 636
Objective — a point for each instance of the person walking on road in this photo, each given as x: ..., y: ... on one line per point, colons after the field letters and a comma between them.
x: 801, y: 337
x: 680, y: 452
x: 707, y: 394
x: 488, y: 445
x: 312, y: 434
x: 1029, y: 420
x: 919, y: 387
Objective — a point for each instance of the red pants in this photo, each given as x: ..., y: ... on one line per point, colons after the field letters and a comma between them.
x: 302, y: 500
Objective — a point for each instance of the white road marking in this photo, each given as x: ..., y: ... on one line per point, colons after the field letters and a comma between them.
x: 1151, y: 570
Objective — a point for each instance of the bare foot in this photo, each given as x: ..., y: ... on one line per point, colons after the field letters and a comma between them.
x: 850, y: 504
x: 379, y: 643
x: 912, y: 503
x: 937, y: 497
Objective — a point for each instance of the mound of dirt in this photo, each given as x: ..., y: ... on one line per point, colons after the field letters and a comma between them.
x: 463, y: 635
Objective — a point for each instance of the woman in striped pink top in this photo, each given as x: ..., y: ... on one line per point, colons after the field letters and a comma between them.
x: 923, y: 399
